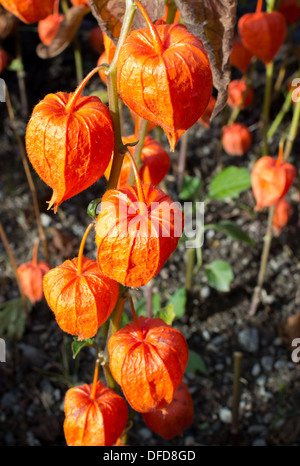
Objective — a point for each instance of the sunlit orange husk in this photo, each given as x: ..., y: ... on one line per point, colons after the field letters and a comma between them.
x: 281, y: 216
x: 81, y: 302
x: 170, y: 89
x: 29, y: 11
x: 271, y: 181
x: 107, y: 56
x: 31, y: 276
x: 134, y: 241
x: 236, y: 139
x: 155, y: 162
x: 80, y: 2
x: 204, y: 120
x: 236, y: 90
x: 263, y: 33
x: 148, y: 361
x: 171, y: 420
x: 48, y: 27
x: 93, y: 422
x: 3, y: 60
x: 290, y: 10
x: 69, y: 150
x: 240, y: 57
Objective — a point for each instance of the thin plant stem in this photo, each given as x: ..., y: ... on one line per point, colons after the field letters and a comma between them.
x: 182, y: 159
x: 237, y: 363
x: 142, y: 132
x: 95, y: 380
x: 113, y: 99
x: 21, y: 75
x: 266, y: 106
x: 280, y: 116
x: 82, y: 244
x: 149, y: 299
x: 293, y: 132
x: 78, y: 60
x: 171, y: 11
x: 263, y: 263
x: 191, y: 255
x: 14, y: 266
x: 157, y: 43
x: 31, y: 184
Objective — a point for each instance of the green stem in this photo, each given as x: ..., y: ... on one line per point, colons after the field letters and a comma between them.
x: 236, y: 391
x: 191, y: 255
x: 293, y: 132
x: 182, y: 159
x: 172, y: 9
x: 112, y: 89
x: 280, y: 115
x: 78, y: 61
x: 143, y: 129
x: 263, y: 263
x: 266, y: 106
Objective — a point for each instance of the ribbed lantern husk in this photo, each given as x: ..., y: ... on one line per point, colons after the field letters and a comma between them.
x: 29, y: 11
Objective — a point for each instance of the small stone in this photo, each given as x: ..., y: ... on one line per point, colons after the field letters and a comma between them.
x: 267, y: 363
x: 225, y: 415
x: 205, y: 292
x: 249, y: 339
x: 261, y: 380
x: 206, y: 335
x: 145, y: 433
x: 255, y: 370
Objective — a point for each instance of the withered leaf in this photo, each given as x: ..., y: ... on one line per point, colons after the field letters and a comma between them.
x: 213, y: 21
x: 110, y: 13
x: 65, y: 34
x: 8, y: 23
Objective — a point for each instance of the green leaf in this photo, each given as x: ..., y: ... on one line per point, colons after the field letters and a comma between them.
x: 191, y: 188
x: 166, y: 314
x: 13, y: 318
x: 219, y: 274
x: 195, y: 363
x: 233, y: 231
x: 178, y: 301
x: 229, y: 183
x: 78, y: 345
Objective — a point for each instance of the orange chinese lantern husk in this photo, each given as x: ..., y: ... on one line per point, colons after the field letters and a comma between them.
x: 204, y: 120
x: 94, y: 420
x: 271, y: 181
x: 240, y: 57
x: 107, y: 56
x: 96, y: 39
x: 165, y: 78
x: 175, y: 417
x: 239, y: 94
x: 281, y: 215
x: 48, y: 27
x: 69, y: 147
x: 29, y: 11
x: 80, y: 2
x: 263, y: 33
x: 134, y: 238
x: 81, y: 301
x: 148, y: 359
x: 236, y: 139
x: 155, y: 162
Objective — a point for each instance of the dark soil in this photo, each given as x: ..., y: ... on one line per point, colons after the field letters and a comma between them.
x: 39, y: 366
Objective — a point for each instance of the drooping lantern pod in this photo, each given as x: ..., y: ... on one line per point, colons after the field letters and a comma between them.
x: 262, y: 33
x: 137, y: 230
x: 31, y: 276
x: 236, y: 139
x: 3, y: 60
x: 96, y: 39
x: 29, y: 11
x: 107, y: 56
x: 281, y: 216
x: 148, y: 359
x: 48, y: 27
x: 80, y: 296
x: 69, y: 142
x: 290, y: 10
x: 240, y: 56
x: 170, y: 421
x: 155, y: 162
x: 80, y: 2
x: 160, y: 72
x: 239, y: 94
x: 204, y: 120
x: 271, y: 179
x: 94, y: 415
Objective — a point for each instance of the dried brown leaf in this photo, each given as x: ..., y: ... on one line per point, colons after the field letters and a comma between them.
x: 8, y: 22
x: 65, y: 34
x: 213, y: 21
x: 110, y: 13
